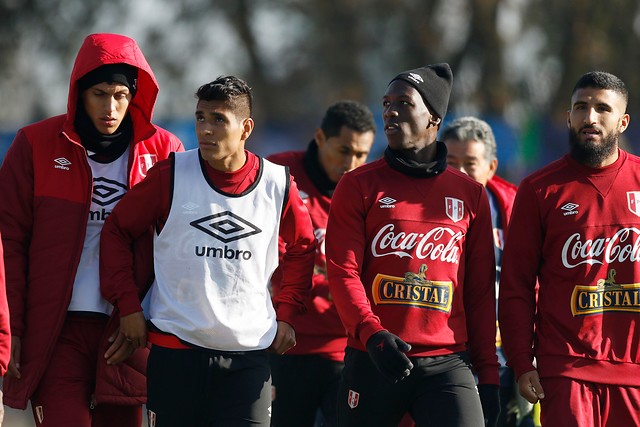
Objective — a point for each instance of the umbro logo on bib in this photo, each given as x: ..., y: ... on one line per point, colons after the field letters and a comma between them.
x: 225, y: 226
x: 107, y: 191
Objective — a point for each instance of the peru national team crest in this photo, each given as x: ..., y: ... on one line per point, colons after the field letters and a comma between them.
x: 633, y: 202
x: 353, y: 399
x: 454, y: 208
x: 145, y: 161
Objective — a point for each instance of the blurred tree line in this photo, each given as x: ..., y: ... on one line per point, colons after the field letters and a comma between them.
x: 515, y: 60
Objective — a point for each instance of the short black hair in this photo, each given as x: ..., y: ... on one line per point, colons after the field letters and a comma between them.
x: 352, y: 114
x: 230, y: 89
x: 602, y: 80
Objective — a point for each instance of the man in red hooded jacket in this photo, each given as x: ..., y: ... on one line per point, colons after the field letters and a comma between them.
x: 59, y: 181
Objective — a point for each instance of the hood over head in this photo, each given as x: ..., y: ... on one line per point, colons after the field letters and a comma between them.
x: 103, y: 49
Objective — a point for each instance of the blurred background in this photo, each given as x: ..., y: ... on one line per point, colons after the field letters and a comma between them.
x: 514, y: 61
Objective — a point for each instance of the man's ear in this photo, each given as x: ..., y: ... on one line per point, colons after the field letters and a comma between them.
x: 319, y: 137
x: 493, y: 167
x: 247, y: 128
x: 624, y: 123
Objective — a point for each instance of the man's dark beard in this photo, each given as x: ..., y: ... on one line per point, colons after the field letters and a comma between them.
x: 590, y: 154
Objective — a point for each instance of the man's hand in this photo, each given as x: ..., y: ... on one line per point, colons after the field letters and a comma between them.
x: 14, y: 362
x: 285, y: 338
x: 131, y: 335
x: 530, y: 387
x: 387, y: 353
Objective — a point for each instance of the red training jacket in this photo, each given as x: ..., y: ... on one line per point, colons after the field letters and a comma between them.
x: 505, y: 193
x: 575, y: 233
x: 414, y: 256
x: 319, y: 330
x: 46, y: 190
x: 5, y: 332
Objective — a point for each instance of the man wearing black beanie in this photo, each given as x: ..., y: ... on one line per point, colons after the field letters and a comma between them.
x: 59, y: 181
x: 411, y: 273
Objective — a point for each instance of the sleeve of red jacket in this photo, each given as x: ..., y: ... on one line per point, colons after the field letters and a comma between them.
x: 480, y: 294
x: 344, y: 247
x: 142, y: 207
x: 5, y: 333
x: 520, y: 262
x: 296, y: 263
x: 16, y: 224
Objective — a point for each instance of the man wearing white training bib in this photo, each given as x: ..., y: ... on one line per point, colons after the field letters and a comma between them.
x: 217, y: 213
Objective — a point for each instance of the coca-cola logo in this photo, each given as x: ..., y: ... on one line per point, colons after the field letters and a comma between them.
x: 623, y: 246
x: 439, y: 243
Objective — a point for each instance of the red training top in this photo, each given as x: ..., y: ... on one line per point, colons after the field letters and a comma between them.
x: 577, y: 231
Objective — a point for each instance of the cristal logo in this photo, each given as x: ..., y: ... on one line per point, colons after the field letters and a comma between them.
x: 623, y: 246
x: 439, y: 243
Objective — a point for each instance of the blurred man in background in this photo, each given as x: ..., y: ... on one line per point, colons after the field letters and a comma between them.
x: 306, y: 378
x: 472, y: 149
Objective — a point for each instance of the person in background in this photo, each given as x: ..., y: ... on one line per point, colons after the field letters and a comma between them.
x: 306, y: 378
x: 59, y: 181
x: 412, y: 273
x: 5, y: 331
x: 568, y: 304
x: 472, y: 149
x: 218, y: 213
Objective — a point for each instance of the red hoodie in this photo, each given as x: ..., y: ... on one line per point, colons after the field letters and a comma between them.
x: 46, y: 189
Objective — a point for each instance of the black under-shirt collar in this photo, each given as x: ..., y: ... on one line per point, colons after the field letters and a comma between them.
x: 103, y: 148
x: 316, y: 172
x: 415, y: 169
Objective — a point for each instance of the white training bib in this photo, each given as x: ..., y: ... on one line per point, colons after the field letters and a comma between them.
x: 214, y: 259
x: 110, y: 184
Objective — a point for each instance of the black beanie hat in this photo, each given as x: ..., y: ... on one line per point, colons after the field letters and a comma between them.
x: 119, y: 73
x: 433, y: 82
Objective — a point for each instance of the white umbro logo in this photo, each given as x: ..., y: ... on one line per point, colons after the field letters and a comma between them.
x: 570, y: 209
x: 415, y: 77
x: 387, y: 202
x: 190, y: 208
x: 62, y: 163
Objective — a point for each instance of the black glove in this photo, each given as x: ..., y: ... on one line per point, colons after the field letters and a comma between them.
x: 387, y: 353
x: 490, y: 400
